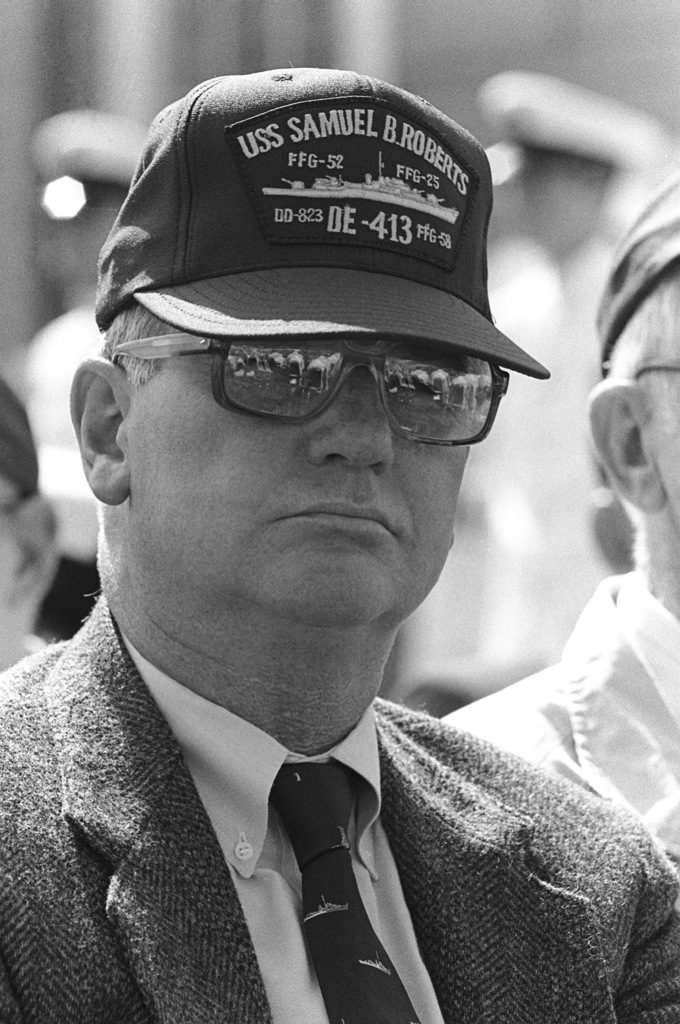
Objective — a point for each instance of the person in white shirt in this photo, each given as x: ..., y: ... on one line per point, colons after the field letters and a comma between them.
x: 296, y: 361
x: 608, y: 715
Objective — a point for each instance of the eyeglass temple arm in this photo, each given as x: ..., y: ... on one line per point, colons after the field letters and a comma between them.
x: 648, y: 367
x: 163, y: 345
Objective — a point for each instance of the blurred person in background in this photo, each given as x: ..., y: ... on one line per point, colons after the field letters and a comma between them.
x: 84, y: 160
x: 570, y: 168
x: 608, y: 715
x: 207, y: 815
x: 28, y: 555
x: 575, y: 167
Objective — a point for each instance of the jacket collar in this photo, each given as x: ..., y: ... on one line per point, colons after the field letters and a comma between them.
x: 465, y: 861
x: 627, y: 741
x: 126, y: 789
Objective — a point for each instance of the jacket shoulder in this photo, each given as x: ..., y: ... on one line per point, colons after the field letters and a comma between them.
x: 469, y: 798
x: 30, y: 788
x: 578, y: 832
x: 474, y: 754
x: 22, y: 697
x: 29, y: 671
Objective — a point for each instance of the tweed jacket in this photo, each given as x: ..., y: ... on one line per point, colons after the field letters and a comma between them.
x: 533, y: 901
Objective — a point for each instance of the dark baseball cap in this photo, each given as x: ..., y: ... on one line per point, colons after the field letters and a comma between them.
x: 18, y: 458
x: 305, y: 202
x: 649, y: 249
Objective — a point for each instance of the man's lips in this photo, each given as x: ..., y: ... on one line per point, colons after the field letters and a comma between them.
x: 367, y: 513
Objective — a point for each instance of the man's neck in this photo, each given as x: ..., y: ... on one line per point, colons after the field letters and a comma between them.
x: 306, y: 687
x: 659, y: 562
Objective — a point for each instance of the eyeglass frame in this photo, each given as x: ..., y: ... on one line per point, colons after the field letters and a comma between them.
x: 647, y: 367
x: 165, y: 346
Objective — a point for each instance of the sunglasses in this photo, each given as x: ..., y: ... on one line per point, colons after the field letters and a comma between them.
x: 430, y: 394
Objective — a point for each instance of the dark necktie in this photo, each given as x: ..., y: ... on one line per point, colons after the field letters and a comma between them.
x: 358, y: 982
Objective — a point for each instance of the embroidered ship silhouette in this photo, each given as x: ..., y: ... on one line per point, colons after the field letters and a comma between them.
x: 380, y: 189
x: 326, y: 908
x: 344, y: 841
x: 377, y: 964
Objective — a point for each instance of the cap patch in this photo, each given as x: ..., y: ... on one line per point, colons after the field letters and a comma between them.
x: 353, y: 172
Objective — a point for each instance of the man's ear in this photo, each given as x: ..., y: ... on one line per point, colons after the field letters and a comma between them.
x: 100, y: 401
x: 620, y: 417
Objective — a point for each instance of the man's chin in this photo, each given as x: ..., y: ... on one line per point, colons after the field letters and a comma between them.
x: 328, y: 595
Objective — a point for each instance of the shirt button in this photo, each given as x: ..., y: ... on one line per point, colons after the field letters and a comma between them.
x: 243, y: 849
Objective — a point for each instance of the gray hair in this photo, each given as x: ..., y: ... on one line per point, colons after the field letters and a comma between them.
x: 134, y: 321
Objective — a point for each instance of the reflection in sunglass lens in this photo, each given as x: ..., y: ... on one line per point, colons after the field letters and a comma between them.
x: 439, y: 401
x: 280, y: 381
x: 436, y: 396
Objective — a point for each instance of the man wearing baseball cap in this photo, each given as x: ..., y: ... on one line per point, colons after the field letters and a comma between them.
x: 609, y: 714
x: 27, y: 533
x: 210, y: 816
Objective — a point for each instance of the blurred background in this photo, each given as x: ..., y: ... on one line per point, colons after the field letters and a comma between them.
x: 536, y: 527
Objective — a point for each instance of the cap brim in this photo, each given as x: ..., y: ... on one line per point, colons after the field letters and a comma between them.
x: 322, y: 300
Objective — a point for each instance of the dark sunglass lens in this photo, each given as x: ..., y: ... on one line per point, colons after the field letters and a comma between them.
x: 437, y: 399
x: 280, y: 380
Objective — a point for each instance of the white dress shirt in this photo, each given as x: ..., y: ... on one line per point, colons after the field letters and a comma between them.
x: 654, y: 634
x: 233, y: 765
x: 627, y: 719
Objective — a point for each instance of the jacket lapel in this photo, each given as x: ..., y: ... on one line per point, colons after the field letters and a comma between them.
x: 500, y: 941
x: 126, y: 789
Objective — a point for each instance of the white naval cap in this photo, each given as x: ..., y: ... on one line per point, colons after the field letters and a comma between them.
x: 88, y: 145
x: 538, y: 111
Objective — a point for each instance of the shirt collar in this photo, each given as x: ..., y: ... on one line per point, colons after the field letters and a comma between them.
x: 234, y: 763
x: 654, y: 634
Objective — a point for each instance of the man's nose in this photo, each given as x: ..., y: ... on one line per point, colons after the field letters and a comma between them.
x: 355, y: 426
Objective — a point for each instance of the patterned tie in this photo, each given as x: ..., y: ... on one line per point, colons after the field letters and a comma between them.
x: 358, y: 982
